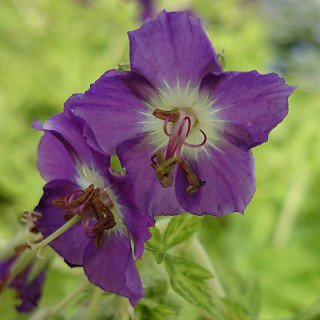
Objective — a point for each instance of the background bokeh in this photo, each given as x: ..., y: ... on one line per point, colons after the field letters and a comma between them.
x: 50, y: 49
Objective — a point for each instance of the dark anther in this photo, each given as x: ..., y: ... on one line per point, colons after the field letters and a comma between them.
x: 163, y: 168
x: 195, y: 182
x: 99, y: 228
x: 77, y: 201
x: 92, y: 203
x: 172, y: 115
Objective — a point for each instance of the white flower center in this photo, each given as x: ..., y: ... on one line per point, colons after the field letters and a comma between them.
x: 188, y: 102
x: 88, y: 176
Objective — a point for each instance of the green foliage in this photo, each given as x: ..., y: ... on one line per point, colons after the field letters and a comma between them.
x: 236, y: 311
x: 155, y: 245
x: 187, y: 277
x: 188, y: 280
x: 149, y: 309
x: 180, y: 229
x: 54, y: 48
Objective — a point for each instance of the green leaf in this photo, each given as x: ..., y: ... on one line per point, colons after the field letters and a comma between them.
x: 246, y: 292
x: 251, y: 296
x: 236, y: 311
x: 155, y: 244
x: 149, y: 309
x: 188, y: 280
x: 180, y: 229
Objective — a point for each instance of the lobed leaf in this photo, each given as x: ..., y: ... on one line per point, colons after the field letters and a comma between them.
x: 180, y: 228
x: 155, y: 244
x: 188, y: 280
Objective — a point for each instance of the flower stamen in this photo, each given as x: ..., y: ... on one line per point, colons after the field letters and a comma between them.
x: 92, y: 204
x: 177, y: 139
x: 76, y: 202
x: 195, y: 182
x: 173, y: 115
x: 163, y: 168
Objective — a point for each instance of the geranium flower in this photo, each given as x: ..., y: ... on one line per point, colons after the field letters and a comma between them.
x: 28, y: 289
x: 183, y: 127
x: 88, y: 212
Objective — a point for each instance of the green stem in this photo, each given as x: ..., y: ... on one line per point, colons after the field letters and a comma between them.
x: 199, y: 253
x: 23, y: 260
x: 74, y: 295
x: 203, y: 259
x: 56, y: 234
x: 290, y: 210
x: 94, y: 304
x: 48, y: 313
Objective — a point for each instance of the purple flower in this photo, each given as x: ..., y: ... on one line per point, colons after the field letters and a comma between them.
x: 28, y: 290
x: 147, y: 9
x: 79, y: 183
x: 183, y: 127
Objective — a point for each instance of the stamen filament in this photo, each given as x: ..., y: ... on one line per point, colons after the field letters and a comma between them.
x: 70, y: 223
x: 165, y: 127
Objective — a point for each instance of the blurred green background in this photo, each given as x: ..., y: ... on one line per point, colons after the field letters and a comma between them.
x: 50, y: 49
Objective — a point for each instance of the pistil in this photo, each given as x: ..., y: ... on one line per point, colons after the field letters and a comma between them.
x: 164, y: 165
x: 178, y: 133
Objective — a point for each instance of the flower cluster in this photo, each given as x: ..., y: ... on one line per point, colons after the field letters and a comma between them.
x: 183, y: 129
